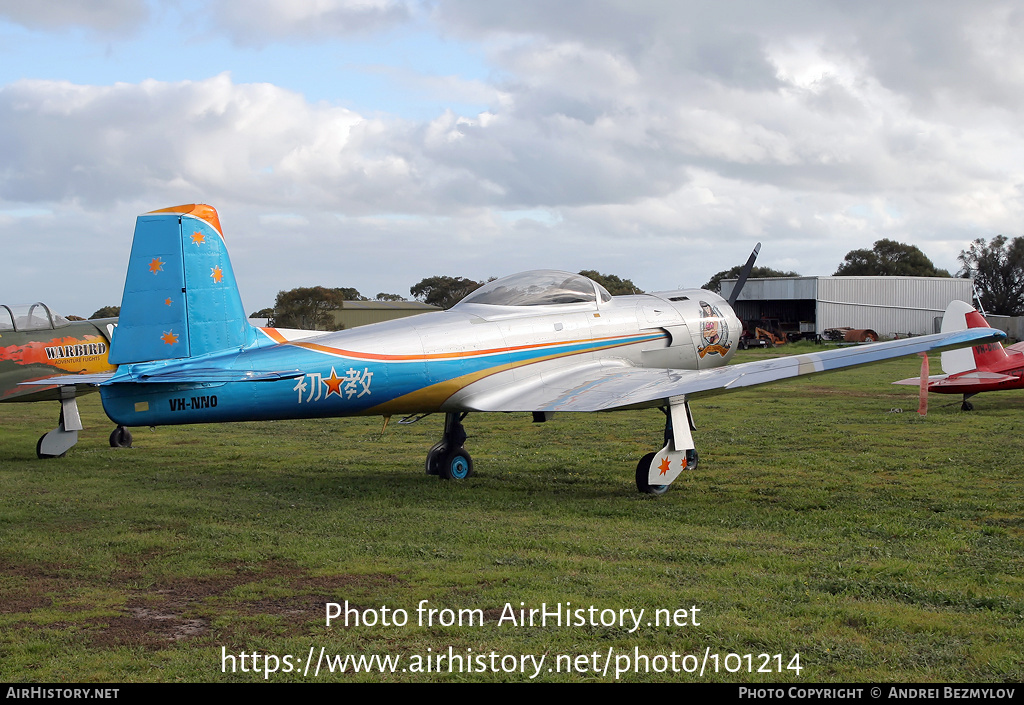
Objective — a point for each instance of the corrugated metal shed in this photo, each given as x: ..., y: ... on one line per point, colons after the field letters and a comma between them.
x: 783, y: 288
x: 888, y: 305
x: 1013, y: 326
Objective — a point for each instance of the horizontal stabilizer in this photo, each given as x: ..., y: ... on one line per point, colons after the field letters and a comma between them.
x: 173, y: 376
x: 211, y: 374
x: 82, y: 381
x: 916, y: 381
x: 973, y: 379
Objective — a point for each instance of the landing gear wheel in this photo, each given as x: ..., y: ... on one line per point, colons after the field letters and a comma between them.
x: 40, y: 454
x: 435, y: 458
x: 121, y: 437
x: 643, y: 468
x: 448, y: 458
x: 692, y: 459
x: 967, y: 406
x: 457, y: 465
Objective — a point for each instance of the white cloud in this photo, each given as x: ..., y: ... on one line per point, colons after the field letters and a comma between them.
x: 260, y: 22
x: 653, y: 133
x: 255, y: 142
x: 104, y: 17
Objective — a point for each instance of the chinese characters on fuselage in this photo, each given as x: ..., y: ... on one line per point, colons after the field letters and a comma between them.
x: 314, y: 386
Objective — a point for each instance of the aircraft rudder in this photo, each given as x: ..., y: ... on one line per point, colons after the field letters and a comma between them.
x: 960, y: 315
x: 217, y: 320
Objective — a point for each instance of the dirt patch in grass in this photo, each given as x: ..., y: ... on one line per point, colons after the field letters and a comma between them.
x: 146, y: 627
x: 181, y: 610
x: 33, y: 600
x: 176, y: 612
x: 29, y: 586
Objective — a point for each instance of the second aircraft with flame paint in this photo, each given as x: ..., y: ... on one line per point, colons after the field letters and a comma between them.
x: 542, y: 341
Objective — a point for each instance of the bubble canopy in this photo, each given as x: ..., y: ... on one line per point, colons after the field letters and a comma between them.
x: 540, y: 287
x: 37, y: 316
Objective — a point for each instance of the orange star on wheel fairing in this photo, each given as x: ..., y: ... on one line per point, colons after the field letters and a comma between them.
x: 157, y: 265
x: 333, y: 383
x: 198, y: 238
x: 169, y: 338
x: 217, y: 274
x: 664, y: 466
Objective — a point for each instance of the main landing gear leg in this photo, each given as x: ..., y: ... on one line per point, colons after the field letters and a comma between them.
x: 448, y: 458
x: 656, y: 471
x: 61, y: 439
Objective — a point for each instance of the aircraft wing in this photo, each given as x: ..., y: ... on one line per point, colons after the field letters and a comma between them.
x: 603, y: 386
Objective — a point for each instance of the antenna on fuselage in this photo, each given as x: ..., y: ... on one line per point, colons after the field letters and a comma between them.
x: 743, y: 275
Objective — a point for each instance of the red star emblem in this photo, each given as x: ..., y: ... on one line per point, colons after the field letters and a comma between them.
x: 157, y: 265
x: 169, y: 338
x: 198, y: 238
x: 334, y: 383
x: 217, y: 274
x: 664, y: 466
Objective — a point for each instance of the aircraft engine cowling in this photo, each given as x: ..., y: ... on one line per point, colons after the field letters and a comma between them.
x: 703, y: 330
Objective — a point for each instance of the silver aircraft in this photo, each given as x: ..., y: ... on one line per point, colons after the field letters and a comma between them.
x: 542, y: 341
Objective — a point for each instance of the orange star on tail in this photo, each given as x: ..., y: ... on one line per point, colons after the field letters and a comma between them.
x: 217, y: 274
x: 169, y: 338
x: 157, y: 265
x: 198, y: 238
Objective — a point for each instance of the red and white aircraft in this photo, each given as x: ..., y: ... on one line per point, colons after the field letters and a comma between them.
x: 969, y: 371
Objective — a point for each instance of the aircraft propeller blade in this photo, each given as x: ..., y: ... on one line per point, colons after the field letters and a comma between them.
x: 743, y: 275
x: 922, y: 408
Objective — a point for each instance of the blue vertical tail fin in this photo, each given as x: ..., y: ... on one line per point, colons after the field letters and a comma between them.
x: 180, y: 297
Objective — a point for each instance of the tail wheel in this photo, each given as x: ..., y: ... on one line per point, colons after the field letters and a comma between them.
x: 121, y: 437
x: 457, y: 465
x: 643, y: 469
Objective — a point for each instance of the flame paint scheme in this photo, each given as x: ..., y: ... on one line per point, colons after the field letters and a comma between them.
x: 983, y: 368
x: 36, y: 344
x: 542, y: 342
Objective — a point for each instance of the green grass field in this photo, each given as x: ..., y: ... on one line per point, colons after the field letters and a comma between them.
x: 877, y: 545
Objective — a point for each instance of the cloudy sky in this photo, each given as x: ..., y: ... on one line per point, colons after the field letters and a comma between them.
x: 372, y: 143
